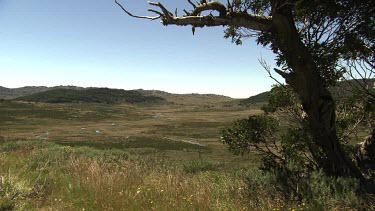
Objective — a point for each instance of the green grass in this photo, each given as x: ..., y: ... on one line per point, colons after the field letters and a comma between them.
x: 136, y: 142
x: 139, y: 161
x: 41, y: 175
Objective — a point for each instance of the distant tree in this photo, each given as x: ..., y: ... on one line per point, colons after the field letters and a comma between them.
x: 311, y: 40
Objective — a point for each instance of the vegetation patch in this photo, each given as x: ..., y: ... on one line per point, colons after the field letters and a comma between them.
x: 136, y: 142
x: 91, y: 95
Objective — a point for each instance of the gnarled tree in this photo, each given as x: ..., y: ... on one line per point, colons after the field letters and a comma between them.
x: 309, y: 38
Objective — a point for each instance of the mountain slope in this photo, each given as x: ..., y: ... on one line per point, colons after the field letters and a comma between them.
x: 343, y: 89
x: 27, y: 94
x: 91, y: 95
x: 8, y: 93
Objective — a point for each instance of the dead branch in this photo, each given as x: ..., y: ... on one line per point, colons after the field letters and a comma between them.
x: 210, y: 6
x: 267, y: 68
x: 136, y: 16
x: 192, y: 4
x: 226, y: 17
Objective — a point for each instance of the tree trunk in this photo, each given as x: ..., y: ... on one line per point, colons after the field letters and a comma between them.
x: 316, y: 100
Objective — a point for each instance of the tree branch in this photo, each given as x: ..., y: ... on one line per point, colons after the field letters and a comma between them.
x: 136, y: 16
x: 211, y: 6
x: 193, y: 18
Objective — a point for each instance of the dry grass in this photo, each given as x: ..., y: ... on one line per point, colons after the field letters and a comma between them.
x: 119, y: 169
x: 38, y: 175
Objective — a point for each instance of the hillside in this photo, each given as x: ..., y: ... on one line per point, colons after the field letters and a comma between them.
x: 34, y: 93
x: 8, y: 93
x: 91, y: 95
x: 187, y: 98
x: 342, y: 90
x: 18, y: 92
x: 259, y: 98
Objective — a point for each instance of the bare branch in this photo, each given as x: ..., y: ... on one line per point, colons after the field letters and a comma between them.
x: 165, y: 11
x: 360, y: 120
x: 253, y: 22
x: 225, y: 18
x: 155, y: 11
x: 212, y: 6
x: 136, y: 16
x: 194, y: 6
x: 268, y: 69
x: 186, y: 12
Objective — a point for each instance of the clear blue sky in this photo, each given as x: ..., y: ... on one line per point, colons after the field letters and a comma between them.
x: 93, y: 43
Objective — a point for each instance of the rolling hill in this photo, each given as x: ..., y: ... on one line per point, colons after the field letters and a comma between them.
x: 69, y: 94
x: 8, y: 93
x: 343, y: 89
x: 91, y: 95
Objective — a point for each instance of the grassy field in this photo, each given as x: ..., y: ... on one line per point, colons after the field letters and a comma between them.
x: 127, y: 157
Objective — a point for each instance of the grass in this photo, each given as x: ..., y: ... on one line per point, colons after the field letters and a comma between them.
x: 41, y: 175
x: 137, y: 142
x: 53, y: 158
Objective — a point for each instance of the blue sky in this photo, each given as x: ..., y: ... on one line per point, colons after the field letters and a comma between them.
x: 93, y: 43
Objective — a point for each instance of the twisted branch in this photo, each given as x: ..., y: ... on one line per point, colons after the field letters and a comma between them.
x: 226, y: 16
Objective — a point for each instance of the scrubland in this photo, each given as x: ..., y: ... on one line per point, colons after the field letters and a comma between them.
x: 158, y: 157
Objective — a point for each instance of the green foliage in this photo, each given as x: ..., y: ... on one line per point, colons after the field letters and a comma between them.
x: 332, y: 31
x: 92, y: 95
x: 251, y: 132
x: 280, y: 97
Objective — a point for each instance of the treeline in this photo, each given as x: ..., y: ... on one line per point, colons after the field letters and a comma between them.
x: 91, y: 95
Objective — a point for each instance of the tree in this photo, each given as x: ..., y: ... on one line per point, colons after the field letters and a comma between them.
x: 310, y: 39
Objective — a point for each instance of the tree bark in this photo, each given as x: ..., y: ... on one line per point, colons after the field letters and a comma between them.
x: 316, y: 100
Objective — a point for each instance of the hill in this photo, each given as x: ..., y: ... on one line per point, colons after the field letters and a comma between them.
x: 91, y: 95
x: 259, y: 98
x: 8, y: 93
x: 343, y: 89
x: 34, y: 93
x: 18, y: 92
x: 192, y: 98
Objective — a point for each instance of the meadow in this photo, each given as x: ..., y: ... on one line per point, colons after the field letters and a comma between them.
x: 87, y: 156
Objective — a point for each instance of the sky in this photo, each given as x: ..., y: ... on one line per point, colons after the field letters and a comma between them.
x: 93, y: 43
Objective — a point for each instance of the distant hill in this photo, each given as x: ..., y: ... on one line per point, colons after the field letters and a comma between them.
x: 18, y: 92
x: 8, y: 93
x: 187, y: 98
x: 259, y: 98
x: 91, y: 95
x: 34, y: 93
x: 343, y: 89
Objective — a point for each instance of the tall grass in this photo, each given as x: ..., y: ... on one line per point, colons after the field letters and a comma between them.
x: 47, y: 176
